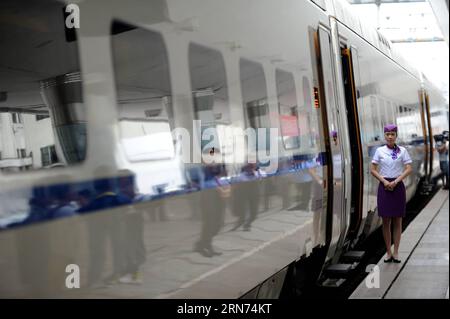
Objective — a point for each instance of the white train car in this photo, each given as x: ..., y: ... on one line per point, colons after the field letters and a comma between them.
x: 102, y: 165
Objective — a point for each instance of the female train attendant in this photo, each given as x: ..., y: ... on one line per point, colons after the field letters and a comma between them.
x: 395, y: 165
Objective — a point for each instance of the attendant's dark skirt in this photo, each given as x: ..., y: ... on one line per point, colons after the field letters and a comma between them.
x: 391, y: 203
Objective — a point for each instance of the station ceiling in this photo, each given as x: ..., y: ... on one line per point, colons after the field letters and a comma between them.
x: 439, y: 8
x: 382, y: 1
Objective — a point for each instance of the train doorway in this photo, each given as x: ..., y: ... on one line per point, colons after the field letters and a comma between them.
x: 426, y: 137
x: 430, y: 133
x: 350, y: 74
x: 333, y: 138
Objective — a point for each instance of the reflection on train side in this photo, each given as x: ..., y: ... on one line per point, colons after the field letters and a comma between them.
x: 150, y: 220
x: 218, y: 216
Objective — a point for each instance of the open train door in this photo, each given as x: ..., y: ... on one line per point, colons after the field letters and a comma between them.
x: 351, y: 79
x: 428, y: 140
x: 325, y: 96
x: 430, y: 134
x: 426, y: 137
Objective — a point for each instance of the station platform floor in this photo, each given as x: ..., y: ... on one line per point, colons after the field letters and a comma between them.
x: 424, y: 252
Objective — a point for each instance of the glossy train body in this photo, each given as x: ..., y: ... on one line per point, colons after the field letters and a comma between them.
x: 91, y: 174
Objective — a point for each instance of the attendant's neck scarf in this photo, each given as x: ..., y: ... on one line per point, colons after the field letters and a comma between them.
x: 395, y: 151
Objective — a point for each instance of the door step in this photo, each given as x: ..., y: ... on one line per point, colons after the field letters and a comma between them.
x: 352, y: 256
x: 426, y: 189
x: 333, y: 282
x: 339, y: 270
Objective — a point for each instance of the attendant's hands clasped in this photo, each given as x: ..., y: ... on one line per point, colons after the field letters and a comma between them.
x: 390, y: 185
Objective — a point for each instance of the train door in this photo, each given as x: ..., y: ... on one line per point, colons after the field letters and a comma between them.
x: 335, y: 158
x: 430, y: 133
x: 426, y: 142
x: 350, y: 73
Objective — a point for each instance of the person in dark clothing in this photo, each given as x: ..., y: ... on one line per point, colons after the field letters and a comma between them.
x: 135, y: 253
x: 245, y: 197
x: 214, y: 199
x: 303, y: 180
x: 442, y: 149
x: 195, y: 179
x: 62, y: 205
x: 102, y: 227
x: 26, y: 240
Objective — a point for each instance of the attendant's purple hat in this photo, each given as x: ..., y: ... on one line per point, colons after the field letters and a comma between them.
x: 390, y: 128
x: 334, y: 133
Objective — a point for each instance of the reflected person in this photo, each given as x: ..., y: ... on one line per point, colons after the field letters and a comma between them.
x: 134, y: 247
x: 245, y: 196
x: 214, y: 199
x: 104, y: 226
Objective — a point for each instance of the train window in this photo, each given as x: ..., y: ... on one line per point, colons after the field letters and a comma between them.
x: 254, y: 97
x: 144, y: 96
x: 48, y: 155
x: 41, y: 117
x: 288, y: 109
x: 41, y: 99
x: 209, y: 93
x: 16, y: 118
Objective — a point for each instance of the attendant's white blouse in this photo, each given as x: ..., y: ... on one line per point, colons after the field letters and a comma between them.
x: 391, y: 166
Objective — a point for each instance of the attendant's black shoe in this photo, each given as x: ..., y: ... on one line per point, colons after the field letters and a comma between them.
x: 395, y: 260
x: 389, y: 260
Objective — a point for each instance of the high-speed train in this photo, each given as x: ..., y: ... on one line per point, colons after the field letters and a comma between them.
x: 118, y: 178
